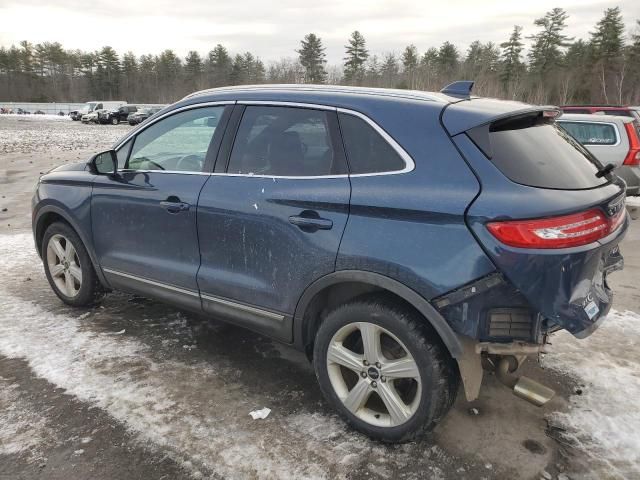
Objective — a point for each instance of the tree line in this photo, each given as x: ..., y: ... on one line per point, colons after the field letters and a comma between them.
x: 557, y: 69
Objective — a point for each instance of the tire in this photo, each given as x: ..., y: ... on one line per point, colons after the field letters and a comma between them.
x: 426, y: 388
x: 114, y: 121
x: 68, y: 267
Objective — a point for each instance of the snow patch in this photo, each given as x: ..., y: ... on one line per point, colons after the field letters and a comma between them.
x: 604, y: 421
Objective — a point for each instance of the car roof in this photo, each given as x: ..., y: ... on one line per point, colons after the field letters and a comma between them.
x: 460, y: 114
x: 587, y: 117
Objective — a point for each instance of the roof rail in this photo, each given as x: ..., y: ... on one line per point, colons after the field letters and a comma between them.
x: 461, y: 88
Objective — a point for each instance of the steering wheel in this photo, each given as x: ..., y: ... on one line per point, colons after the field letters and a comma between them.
x: 190, y: 163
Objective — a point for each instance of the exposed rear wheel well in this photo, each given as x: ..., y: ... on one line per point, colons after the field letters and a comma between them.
x: 338, y: 294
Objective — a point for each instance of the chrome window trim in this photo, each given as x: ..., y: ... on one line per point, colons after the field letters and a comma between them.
x: 152, y: 282
x: 613, y: 124
x: 408, y: 160
x: 245, y: 308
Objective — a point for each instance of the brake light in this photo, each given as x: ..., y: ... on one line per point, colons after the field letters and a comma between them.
x: 633, y: 157
x: 557, y: 232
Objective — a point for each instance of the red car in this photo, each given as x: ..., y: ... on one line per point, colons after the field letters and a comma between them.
x: 620, y: 110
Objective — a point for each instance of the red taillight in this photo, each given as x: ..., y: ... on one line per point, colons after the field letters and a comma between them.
x: 557, y: 232
x: 633, y: 157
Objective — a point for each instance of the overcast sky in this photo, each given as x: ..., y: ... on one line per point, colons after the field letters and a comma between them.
x: 273, y: 29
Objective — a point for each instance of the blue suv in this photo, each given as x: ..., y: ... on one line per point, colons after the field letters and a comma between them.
x: 406, y: 241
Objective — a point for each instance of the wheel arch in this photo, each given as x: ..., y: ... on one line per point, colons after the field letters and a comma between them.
x: 50, y: 214
x: 351, y: 283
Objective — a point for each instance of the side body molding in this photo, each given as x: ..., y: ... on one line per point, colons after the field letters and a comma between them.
x: 448, y: 336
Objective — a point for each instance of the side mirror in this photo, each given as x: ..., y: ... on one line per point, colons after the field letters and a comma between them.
x: 104, y: 163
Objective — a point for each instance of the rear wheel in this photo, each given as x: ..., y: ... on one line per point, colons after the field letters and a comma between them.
x: 383, y: 370
x: 68, y: 267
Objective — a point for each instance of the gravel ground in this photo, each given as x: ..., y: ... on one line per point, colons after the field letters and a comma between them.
x: 135, y: 389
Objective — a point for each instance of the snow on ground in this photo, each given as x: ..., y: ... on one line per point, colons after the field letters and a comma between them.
x: 633, y: 201
x: 604, y: 421
x: 25, y: 133
x: 22, y: 429
x: 158, y: 399
x: 35, y: 118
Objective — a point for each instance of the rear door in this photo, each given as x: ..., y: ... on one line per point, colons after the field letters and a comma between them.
x: 270, y: 222
x: 144, y: 218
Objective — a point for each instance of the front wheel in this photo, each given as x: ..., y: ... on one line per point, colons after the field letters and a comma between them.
x: 68, y: 267
x: 114, y: 121
x: 383, y: 369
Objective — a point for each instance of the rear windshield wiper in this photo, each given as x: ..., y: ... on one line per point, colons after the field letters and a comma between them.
x: 606, y: 170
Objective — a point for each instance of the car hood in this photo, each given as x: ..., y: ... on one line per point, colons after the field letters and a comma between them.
x: 70, y: 167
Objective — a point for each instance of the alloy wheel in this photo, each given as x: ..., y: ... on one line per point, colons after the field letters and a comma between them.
x: 64, y: 265
x: 374, y: 374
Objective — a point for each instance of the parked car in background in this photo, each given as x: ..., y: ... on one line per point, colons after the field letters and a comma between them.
x: 89, y: 111
x: 75, y: 115
x: 142, y: 114
x: 619, y: 110
x: 116, y: 115
x: 612, y: 139
x: 366, y: 227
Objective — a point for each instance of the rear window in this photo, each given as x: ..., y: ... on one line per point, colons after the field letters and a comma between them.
x: 367, y: 151
x: 591, y: 133
x: 533, y: 150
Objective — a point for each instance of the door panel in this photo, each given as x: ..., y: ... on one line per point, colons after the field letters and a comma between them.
x: 272, y: 225
x: 144, y: 218
x: 136, y: 233
x: 252, y: 253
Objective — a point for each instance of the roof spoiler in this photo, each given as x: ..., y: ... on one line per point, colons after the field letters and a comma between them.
x: 461, y: 89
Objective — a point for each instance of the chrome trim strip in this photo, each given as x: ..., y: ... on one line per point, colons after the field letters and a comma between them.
x: 147, y: 124
x: 244, y: 308
x: 152, y: 282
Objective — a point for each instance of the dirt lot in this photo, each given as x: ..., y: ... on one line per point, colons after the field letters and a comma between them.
x: 135, y: 389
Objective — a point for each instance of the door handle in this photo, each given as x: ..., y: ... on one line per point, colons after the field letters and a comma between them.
x: 311, y: 223
x: 175, y: 207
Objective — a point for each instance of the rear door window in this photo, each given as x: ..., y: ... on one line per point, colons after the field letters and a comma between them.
x: 284, y: 141
x: 367, y: 151
x: 533, y: 150
x: 588, y: 133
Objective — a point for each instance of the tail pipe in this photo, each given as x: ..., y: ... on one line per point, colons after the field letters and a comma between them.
x: 523, y: 387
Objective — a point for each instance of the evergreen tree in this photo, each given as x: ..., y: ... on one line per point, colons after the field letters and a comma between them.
x: 193, y: 68
x: 354, y: 62
x: 107, y: 73
x: 607, y: 40
x: 548, y: 44
x: 312, y: 58
x: 389, y: 70
x: 410, y: 64
x: 448, y: 59
x: 511, y: 59
x: 219, y: 65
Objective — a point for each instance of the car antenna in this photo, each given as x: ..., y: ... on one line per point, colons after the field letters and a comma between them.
x: 461, y: 89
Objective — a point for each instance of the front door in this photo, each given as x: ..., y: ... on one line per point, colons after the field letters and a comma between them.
x: 271, y: 223
x: 144, y: 218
